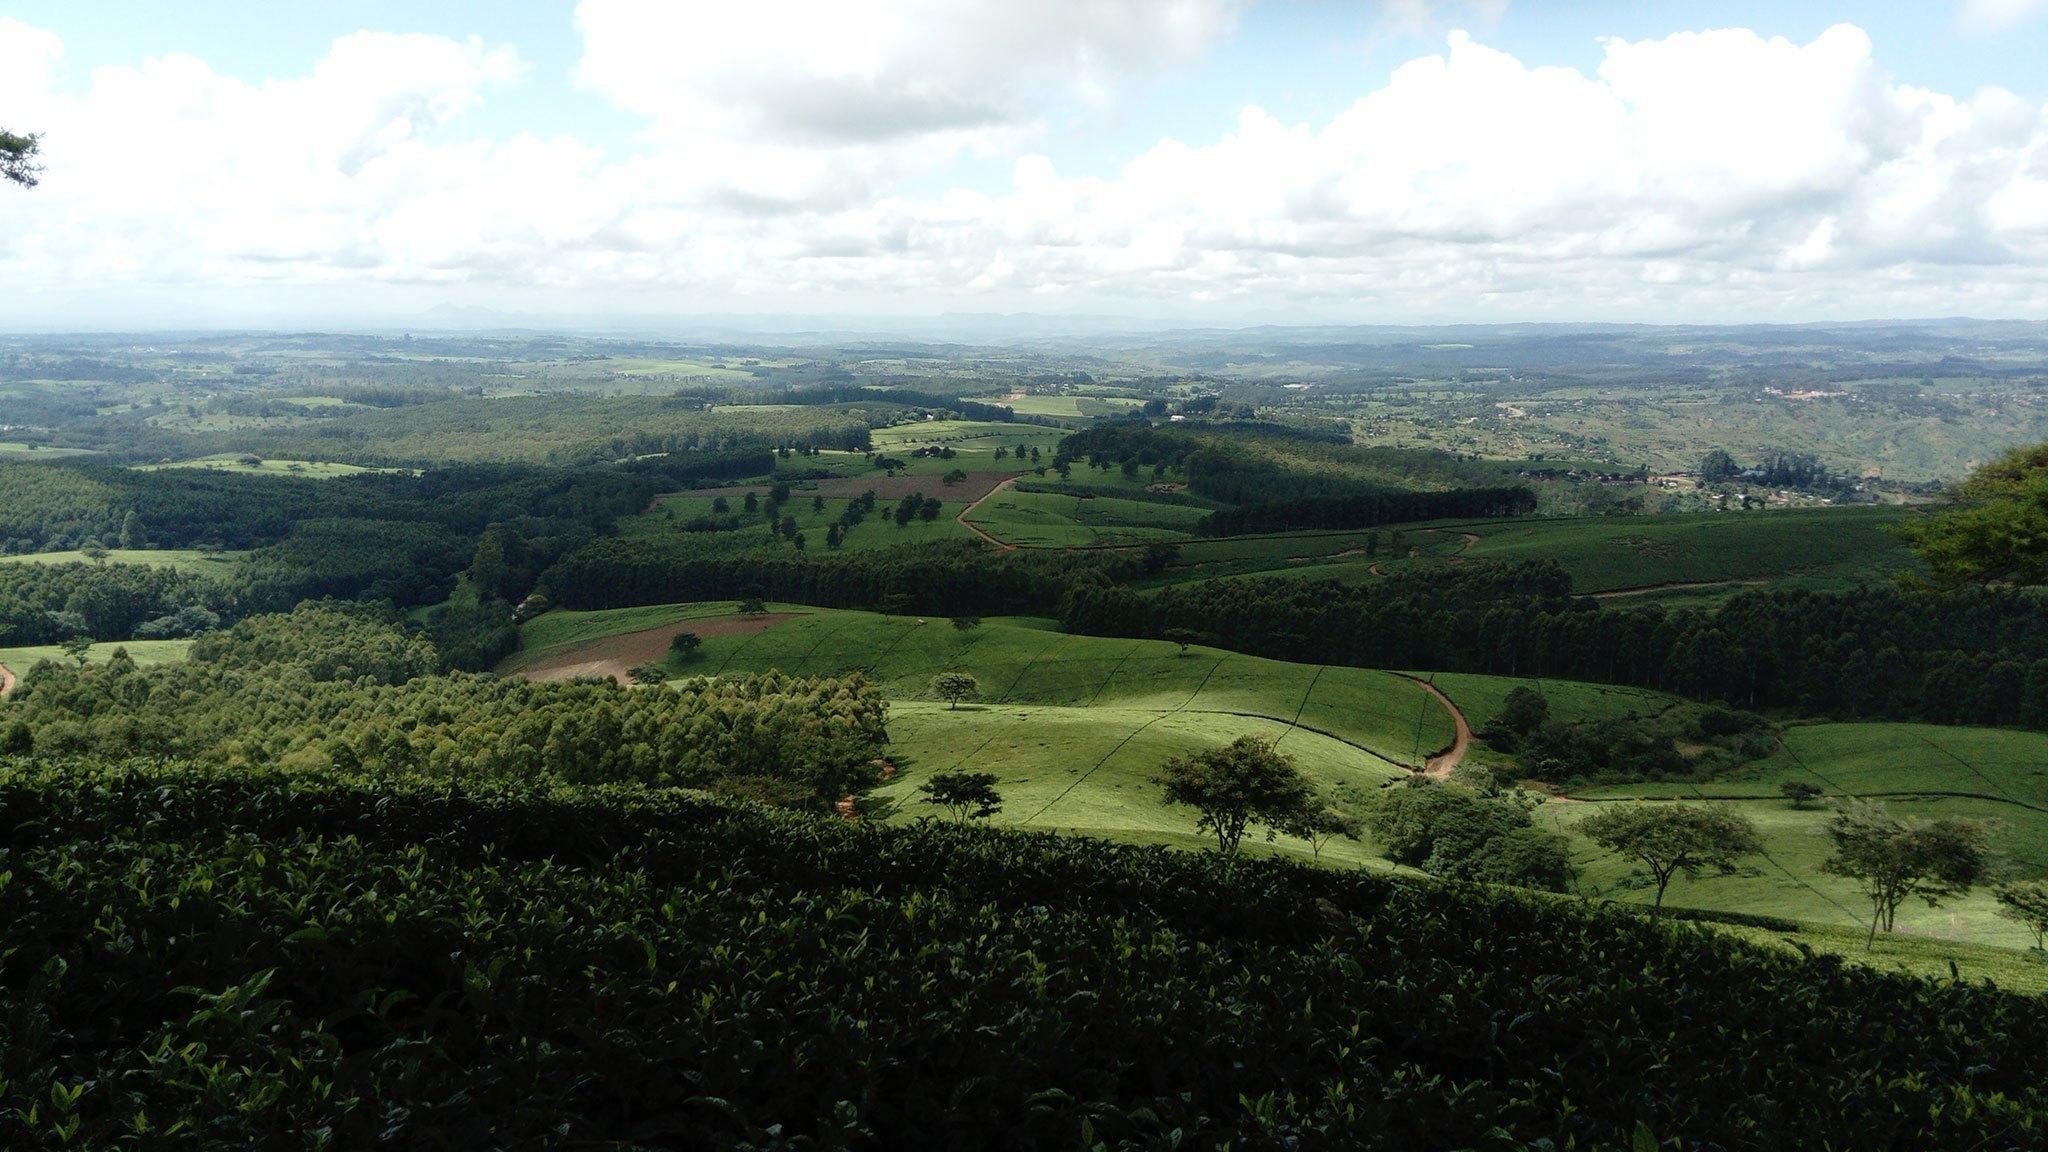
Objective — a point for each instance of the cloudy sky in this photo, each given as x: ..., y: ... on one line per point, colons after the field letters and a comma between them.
x: 1208, y: 161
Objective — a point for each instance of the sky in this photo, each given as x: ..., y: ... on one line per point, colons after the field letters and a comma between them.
x: 1176, y: 161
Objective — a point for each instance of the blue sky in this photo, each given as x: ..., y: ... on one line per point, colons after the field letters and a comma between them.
x: 1198, y: 159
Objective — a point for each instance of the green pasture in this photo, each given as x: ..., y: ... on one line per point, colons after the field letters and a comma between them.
x: 184, y: 559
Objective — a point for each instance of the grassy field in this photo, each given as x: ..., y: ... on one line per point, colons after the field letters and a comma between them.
x: 144, y: 652
x: 1915, y: 769
x: 1075, y: 726
x: 10, y: 448
x: 183, y: 559
x: 312, y: 469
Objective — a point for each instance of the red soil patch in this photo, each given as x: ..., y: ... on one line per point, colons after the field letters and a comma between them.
x: 613, y: 655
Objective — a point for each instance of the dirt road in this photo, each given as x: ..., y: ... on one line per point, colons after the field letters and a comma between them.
x: 965, y: 512
x: 6, y: 680
x: 1440, y: 765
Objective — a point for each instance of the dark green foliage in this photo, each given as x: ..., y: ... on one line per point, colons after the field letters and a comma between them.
x: 1233, y: 787
x: 940, y: 578
x: 1971, y: 657
x: 1276, y: 479
x: 1460, y: 835
x: 326, y: 686
x: 967, y: 795
x: 542, y: 967
x: 1801, y: 793
x: 1522, y: 712
x: 44, y: 603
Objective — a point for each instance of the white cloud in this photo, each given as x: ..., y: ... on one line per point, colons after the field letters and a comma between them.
x: 1706, y: 175
x: 1985, y: 17
x: 839, y: 71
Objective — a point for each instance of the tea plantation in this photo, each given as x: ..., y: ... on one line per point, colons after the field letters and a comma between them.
x: 201, y: 959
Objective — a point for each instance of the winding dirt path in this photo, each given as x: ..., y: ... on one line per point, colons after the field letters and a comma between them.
x: 1439, y: 766
x: 6, y: 680
x: 961, y: 519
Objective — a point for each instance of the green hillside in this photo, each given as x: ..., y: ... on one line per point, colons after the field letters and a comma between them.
x: 1075, y: 726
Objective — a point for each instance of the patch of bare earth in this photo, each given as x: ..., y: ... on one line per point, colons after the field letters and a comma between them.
x: 6, y: 680
x: 613, y: 655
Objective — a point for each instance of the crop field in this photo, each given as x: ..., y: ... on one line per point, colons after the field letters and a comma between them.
x: 1691, y: 559
x: 1056, y: 520
x: 183, y: 559
x: 1075, y: 726
x: 1915, y: 769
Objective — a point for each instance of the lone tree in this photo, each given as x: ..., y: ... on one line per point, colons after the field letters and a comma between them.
x: 966, y: 623
x: 1800, y: 793
x: 1234, y: 786
x: 1897, y: 859
x: 78, y: 648
x: 686, y: 645
x: 1319, y: 824
x: 18, y: 158
x: 1185, y: 637
x: 967, y: 795
x: 2025, y: 902
x: 1674, y: 838
x: 752, y: 606
x: 953, y: 687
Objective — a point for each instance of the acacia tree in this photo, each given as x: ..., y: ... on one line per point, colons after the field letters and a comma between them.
x: 78, y: 648
x: 1897, y: 859
x: 953, y: 687
x: 1232, y: 787
x: 18, y: 158
x: 967, y: 795
x: 2025, y: 902
x: 1674, y: 838
x: 1319, y: 824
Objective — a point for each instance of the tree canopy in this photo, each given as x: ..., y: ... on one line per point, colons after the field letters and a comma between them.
x: 1230, y: 788
x: 18, y: 158
x: 1897, y: 859
x: 1674, y: 838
